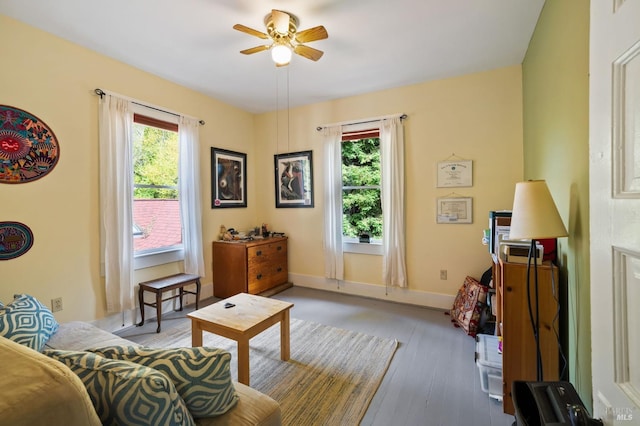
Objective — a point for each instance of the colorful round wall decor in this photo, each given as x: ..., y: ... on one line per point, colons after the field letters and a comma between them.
x: 28, y: 147
x: 15, y: 240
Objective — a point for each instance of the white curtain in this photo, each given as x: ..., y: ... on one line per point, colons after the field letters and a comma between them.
x: 189, y: 187
x: 333, y: 261
x: 394, y: 268
x: 116, y: 186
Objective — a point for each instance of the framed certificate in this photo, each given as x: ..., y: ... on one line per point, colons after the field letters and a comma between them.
x: 455, y: 173
x: 454, y: 210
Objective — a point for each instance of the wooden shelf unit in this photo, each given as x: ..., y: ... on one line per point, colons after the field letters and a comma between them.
x: 253, y: 267
x: 514, y: 325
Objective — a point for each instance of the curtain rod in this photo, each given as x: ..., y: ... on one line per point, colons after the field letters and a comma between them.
x: 344, y: 123
x: 101, y: 93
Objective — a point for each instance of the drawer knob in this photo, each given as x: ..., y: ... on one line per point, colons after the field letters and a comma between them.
x: 259, y: 253
x: 279, y: 269
x: 509, y: 288
x: 279, y: 247
x: 259, y: 276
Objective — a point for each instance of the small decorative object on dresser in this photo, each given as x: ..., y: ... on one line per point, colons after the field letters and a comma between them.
x: 253, y: 267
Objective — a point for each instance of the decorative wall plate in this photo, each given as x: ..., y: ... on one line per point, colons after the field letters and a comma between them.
x: 15, y: 240
x: 28, y: 147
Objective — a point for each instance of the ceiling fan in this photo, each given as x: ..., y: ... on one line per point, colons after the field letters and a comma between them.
x: 282, y: 30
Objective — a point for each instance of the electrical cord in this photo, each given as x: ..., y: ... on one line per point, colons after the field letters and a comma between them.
x: 535, y: 324
x: 554, y: 323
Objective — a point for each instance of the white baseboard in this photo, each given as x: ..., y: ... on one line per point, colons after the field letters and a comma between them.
x: 392, y: 294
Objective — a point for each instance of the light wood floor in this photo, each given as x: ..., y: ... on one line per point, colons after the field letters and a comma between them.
x: 432, y: 379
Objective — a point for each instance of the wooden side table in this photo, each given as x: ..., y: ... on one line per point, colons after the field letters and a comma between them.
x: 160, y: 285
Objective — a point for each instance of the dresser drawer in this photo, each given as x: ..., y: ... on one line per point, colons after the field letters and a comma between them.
x: 264, y: 283
x: 262, y: 276
x: 266, y: 252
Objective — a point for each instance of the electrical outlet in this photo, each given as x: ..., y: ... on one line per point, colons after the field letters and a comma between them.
x: 443, y: 274
x: 56, y: 304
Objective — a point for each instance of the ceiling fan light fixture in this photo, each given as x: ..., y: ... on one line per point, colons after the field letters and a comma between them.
x: 282, y: 30
x: 281, y: 54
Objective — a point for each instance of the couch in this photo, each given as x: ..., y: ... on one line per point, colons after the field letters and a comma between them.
x: 40, y: 390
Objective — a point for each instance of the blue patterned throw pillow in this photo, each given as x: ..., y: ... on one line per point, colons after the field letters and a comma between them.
x: 27, y: 321
x: 202, y: 376
x: 126, y: 393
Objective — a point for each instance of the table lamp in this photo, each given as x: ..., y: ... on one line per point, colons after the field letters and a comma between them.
x: 535, y: 217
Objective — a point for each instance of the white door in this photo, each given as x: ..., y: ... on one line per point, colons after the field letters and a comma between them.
x: 615, y: 209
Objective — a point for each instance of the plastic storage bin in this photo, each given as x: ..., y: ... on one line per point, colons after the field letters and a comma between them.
x: 489, y: 362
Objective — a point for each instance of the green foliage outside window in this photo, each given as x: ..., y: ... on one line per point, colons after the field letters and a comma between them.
x: 155, y: 162
x: 361, y: 203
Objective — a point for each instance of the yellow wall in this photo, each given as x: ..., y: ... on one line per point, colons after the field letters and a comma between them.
x: 556, y: 148
x: 54, y: 80
x: 476, y: 117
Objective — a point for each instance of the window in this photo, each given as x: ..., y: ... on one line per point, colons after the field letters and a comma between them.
x: 157, y: 225
x: 345, y: 192
x: 118, y: 255
x: 361, y: 191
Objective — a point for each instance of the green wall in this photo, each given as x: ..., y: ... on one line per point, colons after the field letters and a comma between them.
x: 556, y: 148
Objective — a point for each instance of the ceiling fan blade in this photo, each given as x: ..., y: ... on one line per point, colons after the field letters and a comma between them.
x: 280, y: 21
x: 312, y: 34
x: 255, y: 50
x: 308, y: 52
x: 250, y: 31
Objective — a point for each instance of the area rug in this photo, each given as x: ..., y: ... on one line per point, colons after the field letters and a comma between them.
x: 330, y: 379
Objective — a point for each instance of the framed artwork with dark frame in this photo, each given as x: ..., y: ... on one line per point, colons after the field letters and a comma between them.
x: 294, y: 179
x: 228, y: 178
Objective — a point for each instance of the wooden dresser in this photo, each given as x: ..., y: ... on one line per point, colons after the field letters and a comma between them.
x: 252, y: 267
x: 513, y: 322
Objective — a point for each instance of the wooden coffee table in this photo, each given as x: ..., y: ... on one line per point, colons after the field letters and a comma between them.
x: 250, y: 316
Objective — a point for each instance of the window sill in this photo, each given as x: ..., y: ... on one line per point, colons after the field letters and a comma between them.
x: 148, y: 260
x: 362, y: 248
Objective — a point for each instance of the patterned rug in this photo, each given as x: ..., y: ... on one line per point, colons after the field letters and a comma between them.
x: 28, y: 147
x: 330, y: 379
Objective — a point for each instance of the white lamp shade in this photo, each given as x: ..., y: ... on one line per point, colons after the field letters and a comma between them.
x: 534, y: 215
x: 281, y: 54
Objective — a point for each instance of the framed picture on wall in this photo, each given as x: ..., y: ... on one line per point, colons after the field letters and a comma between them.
x: 294, y: 179
x: 228, y: 178
x: 454, y: 210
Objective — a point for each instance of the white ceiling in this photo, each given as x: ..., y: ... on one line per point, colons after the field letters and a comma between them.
x: 373, y: 44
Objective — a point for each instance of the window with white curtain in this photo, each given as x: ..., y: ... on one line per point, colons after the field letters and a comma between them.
x: 351, y: 199
x: 117, y: 193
